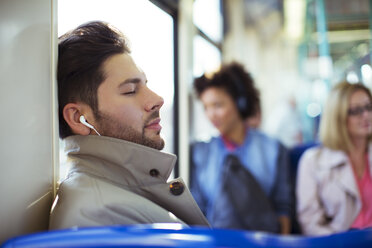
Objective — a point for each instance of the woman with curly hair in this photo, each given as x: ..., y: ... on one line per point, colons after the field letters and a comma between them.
x: 240, y: 178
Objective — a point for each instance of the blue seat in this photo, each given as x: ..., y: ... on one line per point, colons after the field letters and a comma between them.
x: 295, y: 154
x: 177, y: 236
x: 294, y: 157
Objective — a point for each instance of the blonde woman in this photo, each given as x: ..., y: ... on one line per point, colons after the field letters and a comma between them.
x: 334, y: 186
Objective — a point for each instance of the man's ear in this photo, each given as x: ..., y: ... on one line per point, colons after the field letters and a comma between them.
x: 71, y: 114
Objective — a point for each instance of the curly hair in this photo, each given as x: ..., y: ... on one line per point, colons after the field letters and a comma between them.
x: 237, y: 83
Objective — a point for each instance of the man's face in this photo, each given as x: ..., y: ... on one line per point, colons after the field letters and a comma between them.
x: 127, y: 108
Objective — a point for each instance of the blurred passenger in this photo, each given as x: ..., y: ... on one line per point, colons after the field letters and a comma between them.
x: 334, y: 186
x: 109, y: 120
x: 284, y: 123
x: 240, y: 178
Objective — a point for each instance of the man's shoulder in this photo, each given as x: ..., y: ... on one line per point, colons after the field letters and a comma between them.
x: 84, y: 200
x: 76, y: 188
x: 84, y: 189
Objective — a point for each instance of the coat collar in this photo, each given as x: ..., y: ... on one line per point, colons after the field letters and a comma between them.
x: 117, y: 160
x: 331, y: 160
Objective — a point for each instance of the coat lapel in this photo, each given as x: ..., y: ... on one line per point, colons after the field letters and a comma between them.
x: 347, y: 180
x: 347, y: 177
x: 338, y: 164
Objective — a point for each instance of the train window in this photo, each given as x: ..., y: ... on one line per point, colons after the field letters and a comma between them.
x: 206, y: 12
x: 150, y: 32
x: 207, y: 58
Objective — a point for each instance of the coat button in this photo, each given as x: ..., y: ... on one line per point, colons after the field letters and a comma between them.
x: 176, y: 188
x: 154, y: 172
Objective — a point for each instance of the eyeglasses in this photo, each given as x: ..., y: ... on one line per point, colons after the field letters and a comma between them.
x: 360, y: 110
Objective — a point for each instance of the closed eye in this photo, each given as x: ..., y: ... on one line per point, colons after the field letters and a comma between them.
x: 129, y: 92
x: 129, y: 89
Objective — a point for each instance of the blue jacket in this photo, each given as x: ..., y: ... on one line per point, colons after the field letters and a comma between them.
x: 263, y: 156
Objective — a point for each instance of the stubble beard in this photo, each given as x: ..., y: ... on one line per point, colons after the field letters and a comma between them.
x: 110, y: 127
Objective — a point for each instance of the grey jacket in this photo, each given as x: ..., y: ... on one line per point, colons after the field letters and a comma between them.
x: 115, y: 182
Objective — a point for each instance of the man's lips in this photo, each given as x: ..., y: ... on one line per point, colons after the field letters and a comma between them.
x: 154, y: 124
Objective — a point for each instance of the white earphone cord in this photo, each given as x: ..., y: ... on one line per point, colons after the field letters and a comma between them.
x: 96, y: 131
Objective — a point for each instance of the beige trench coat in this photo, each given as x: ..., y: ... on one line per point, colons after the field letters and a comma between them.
x: 115, y: 182
x: 328, y: 199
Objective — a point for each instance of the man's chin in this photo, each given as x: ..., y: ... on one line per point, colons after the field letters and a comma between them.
x: 112, y: 128
x: 157, y: 144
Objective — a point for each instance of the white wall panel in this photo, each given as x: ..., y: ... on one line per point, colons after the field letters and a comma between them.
x: 27, y: 124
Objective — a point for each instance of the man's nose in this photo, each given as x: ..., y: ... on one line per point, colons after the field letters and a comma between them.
x: 155, y: 102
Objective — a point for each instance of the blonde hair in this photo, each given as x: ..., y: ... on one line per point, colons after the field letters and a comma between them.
x: 333, y: 124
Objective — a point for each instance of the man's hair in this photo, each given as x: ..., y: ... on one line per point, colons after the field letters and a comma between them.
x: 333, y: 124
x: 81, y: 54
x: 236, y: 82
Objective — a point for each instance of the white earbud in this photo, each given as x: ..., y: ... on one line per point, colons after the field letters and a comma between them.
x: 85, y: 123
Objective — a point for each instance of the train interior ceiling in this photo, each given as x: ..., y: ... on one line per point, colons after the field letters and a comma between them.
x: 296, y: 50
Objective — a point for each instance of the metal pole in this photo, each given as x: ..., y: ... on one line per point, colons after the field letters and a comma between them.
x: 321, y: 25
